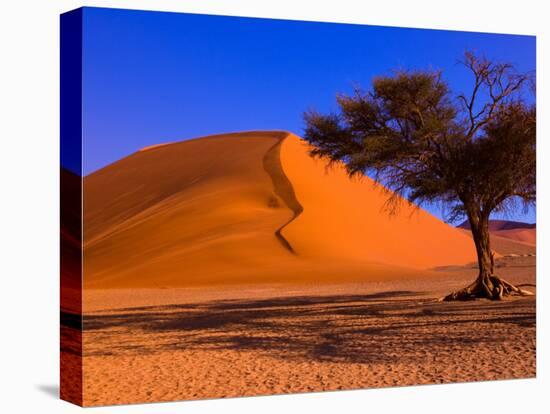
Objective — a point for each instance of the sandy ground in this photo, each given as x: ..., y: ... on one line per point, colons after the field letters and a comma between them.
x: 297, y: 338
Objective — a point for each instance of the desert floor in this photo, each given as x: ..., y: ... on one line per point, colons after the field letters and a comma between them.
x: 160, y: 345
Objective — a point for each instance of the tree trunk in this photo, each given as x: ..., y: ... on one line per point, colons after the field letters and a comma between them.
x: 487, y: 285
x: 482, y: 240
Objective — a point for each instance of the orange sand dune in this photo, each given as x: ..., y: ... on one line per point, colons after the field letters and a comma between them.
x: 345, y: 219
x: 247, y: 208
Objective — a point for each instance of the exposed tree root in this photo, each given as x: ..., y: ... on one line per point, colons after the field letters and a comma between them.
x: 487, y: 287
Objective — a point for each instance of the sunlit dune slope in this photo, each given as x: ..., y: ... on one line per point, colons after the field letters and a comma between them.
x: 345, y: 219
x: 248, y: 208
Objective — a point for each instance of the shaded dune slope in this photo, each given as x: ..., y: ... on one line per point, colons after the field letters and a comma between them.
x: 198, y: 211
x: 248, y: 208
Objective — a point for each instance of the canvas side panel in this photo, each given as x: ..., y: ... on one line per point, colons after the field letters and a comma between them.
x: 71, y: 207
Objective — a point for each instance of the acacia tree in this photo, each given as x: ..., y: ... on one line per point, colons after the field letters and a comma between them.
x: 473, y: 153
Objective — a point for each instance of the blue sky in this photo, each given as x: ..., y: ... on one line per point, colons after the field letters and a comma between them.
x: 152, y: 77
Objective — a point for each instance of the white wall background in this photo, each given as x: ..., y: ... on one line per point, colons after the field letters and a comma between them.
x: 29, y: 141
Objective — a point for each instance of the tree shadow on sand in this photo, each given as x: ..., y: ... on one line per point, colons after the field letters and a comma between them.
x: 381, y: 327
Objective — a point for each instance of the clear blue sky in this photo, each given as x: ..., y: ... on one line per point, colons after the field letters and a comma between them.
x: 152, y: 77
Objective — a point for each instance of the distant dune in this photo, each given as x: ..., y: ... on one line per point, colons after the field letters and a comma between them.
x: 524, y: 233
x: 247, y: 208
x: 511, y: 225
x: 498, y: 225
x: 528, y: 236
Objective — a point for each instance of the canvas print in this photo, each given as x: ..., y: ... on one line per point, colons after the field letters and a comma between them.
x: 259, y: 206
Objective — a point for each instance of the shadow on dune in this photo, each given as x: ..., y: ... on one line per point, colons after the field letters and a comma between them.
x: 381, y: 327
x: 283, y: 188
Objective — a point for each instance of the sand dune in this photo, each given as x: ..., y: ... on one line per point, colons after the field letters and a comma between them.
x: 344, y: 219
x: 505, y: 246
x: 528, y: 236
x: 525, y: 233
x: 247, y: 208
x: 497, y: 225
x: 509, y: 237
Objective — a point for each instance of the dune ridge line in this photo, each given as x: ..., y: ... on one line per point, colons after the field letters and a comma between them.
x: 282, y: 187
